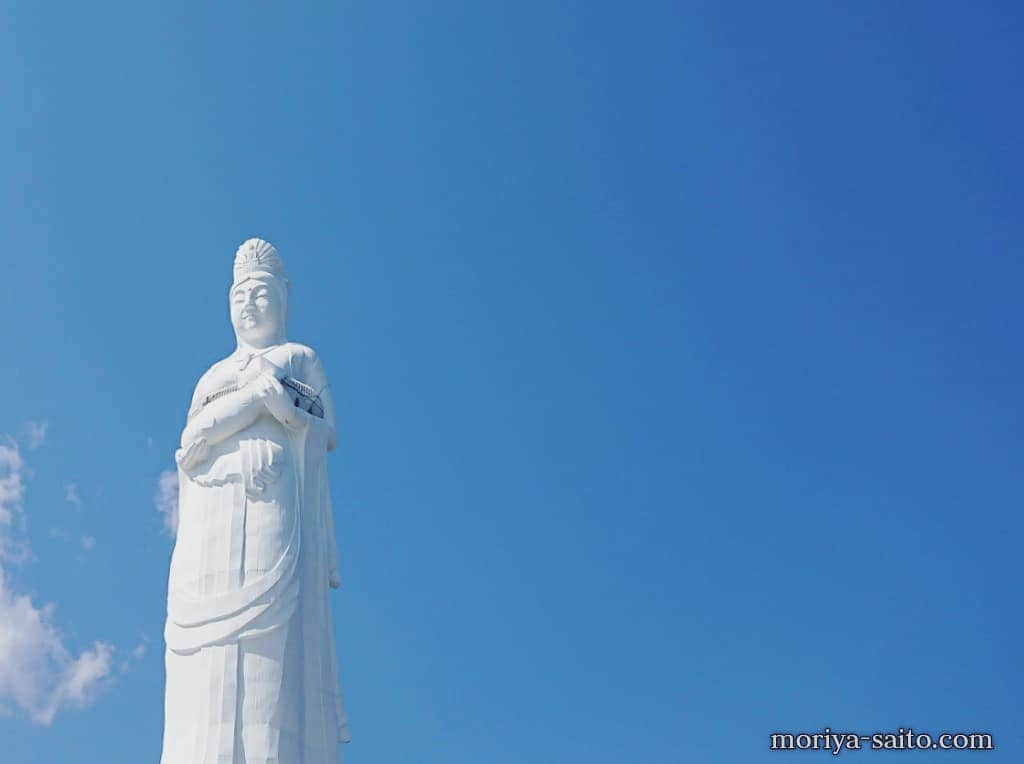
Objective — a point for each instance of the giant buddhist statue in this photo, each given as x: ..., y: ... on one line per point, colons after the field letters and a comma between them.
x: 251, y: 670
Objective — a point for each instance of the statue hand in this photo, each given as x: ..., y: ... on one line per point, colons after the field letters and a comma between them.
x: 192, y: 455
x: 277, y: 400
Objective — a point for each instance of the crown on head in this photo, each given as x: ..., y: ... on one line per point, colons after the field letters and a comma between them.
x: 257, y: 256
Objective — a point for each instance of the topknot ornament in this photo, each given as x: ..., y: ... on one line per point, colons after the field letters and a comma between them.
x: 257, y: 257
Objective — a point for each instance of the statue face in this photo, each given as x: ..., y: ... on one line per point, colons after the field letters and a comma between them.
x: 258, y: 312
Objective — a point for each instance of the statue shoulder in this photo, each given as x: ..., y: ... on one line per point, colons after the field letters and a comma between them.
x: 305, y: 364
x: 299, y: 351
x: 307, y: 367
x: 215, y: 373
x: 211, y: 380
x: 304, y: 359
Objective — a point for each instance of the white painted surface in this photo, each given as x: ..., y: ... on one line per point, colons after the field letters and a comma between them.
x: 251, y: 674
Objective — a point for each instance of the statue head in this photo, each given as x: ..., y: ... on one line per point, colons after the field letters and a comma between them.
x: 259, y: 295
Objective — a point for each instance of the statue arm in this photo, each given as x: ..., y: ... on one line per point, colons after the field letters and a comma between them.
x: 317, y: 379
x: 333, y: 576
x: 328, y: 404
x: 230, y: 413
x: 223, y: 417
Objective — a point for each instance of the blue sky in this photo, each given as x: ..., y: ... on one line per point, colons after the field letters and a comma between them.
x: 676, y: 349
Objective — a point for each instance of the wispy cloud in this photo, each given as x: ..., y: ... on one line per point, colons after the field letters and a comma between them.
x: 71, y: 495
x: 166, y: 500
x: 88, y: 543
x: 135, y: 656
x: 39, y: 676
x: 35, y: 432
x: 12, y: 490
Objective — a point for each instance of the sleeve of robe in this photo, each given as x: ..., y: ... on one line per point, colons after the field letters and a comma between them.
x: 317, y: 379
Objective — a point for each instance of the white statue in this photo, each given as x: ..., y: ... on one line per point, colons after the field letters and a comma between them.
x: 251, y: 674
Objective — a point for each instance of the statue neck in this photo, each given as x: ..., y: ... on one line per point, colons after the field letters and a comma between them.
x: 252, y: 348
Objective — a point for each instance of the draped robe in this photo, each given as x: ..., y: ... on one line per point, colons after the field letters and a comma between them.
x: 251, y: 674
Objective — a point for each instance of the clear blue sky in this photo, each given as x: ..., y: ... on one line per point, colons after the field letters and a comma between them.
x: 677, y: 348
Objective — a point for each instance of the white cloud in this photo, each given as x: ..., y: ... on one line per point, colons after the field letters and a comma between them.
x: 11, y: 487
x: 166, y: 500
x: 71, y: 494
x: 39, y: 676
x: 12, y: 490
x: 88, y: 543
x: 135, y: 656
x: 36, y: 433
